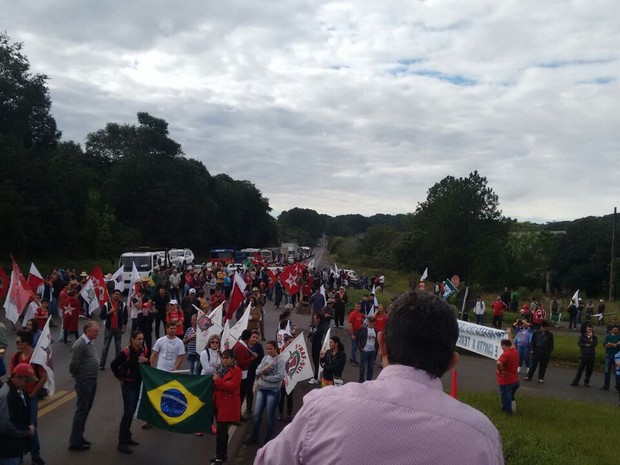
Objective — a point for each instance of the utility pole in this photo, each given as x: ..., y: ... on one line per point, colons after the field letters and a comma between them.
x: 612, y: 267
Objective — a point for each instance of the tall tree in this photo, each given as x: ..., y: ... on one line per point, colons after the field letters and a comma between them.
x: 24, y: 99
x: 459, y: 229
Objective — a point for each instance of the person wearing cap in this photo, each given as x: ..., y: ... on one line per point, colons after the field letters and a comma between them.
x: 115, y: 317
x: 16, y: 428
x: 25, y: 347
x: 189, y: 305
x: 366, y: 339
x: 84, y: 367
x: 175, y: 315
x: 573, y: 309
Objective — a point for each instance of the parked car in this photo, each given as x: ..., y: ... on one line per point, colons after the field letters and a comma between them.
x: 181, y: 258
x: 354, y: 280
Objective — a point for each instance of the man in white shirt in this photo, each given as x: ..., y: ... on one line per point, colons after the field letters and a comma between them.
x: 168, y: 351
x: 366, y: 339
x: 479, y: 309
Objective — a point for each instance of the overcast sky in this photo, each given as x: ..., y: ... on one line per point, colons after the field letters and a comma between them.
x: 352, y: 107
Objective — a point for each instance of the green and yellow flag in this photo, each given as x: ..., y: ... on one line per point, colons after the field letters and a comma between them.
x: 176, y: 402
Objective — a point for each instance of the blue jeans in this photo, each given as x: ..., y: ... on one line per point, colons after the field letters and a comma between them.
x: 34, y: 411
x: 265, y: 398
x: 610, y: 367
x: 194, y: 364
x: 130, y: 392
x: 353, y: 350
x: 479, y: 319
x: 367, y: 359
x: 110, y: 334
x: 524, y: 356
x: 85, y: 389
x: 507, y: 394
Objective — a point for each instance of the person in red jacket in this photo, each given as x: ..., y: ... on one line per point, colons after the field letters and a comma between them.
x: 356, y: 321
x: 227, y: 402
x: 499, y: 307
x: 245, y: 357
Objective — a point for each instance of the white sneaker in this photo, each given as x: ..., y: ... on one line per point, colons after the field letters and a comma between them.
x: 313, y: 381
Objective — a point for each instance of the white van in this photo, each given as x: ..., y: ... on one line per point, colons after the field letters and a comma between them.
x: 145, y: 263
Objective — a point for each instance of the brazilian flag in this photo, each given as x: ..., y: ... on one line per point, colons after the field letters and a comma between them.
x: 176, y: 402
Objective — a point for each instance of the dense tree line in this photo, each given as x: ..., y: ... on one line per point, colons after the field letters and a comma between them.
x: 130, y: 186
x: 459, y: 229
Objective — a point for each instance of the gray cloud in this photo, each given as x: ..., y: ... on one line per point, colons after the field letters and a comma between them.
x: 352, y: 107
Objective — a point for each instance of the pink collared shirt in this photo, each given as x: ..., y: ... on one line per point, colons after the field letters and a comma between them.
x: 403, y: 417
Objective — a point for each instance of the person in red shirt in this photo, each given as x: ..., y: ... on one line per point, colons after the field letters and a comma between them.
x: 499, y: 307
x: 507, y: 376
x: 70, y: 315
x: 175, y: 315
x: 356, y: 321
x: 42, y: 313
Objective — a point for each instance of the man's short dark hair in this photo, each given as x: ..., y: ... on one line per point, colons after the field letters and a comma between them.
x: 246, y: 335
x: 26, y: 336
x: 421, y: 332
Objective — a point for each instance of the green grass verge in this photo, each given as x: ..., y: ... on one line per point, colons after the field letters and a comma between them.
x: 551, y: 431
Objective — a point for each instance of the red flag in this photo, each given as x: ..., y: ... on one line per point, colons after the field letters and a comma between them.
x: 454, y: 388
x: 258, y: 259
x: 4, y: 283
x: 272, y: 278
x: 236, y: 296
x: 99, y: 284
x: 34, y: 277
x: 290, y: 279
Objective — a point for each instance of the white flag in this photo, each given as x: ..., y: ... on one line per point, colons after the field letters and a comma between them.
x: 42, y: 355
x: 119, y: 282
x: 323, y: 293
x: 375, y: 304
x: 225, y: 337
x: 240, y: 326
x: 10, y: 305
x: 576, y: 298
x: 135, y: 278
x: 311, y: 264
x: 424, y: 275
x: 298, y: 365
x: 336, y: 270
x: 90, y: 296
x: 324, y: 347
x: 207, y: 326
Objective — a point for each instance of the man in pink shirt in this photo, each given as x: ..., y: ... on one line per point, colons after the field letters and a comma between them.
x: 410, y: 418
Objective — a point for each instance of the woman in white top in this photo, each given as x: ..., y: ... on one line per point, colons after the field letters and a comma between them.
x: 210, y: 361
x: 210, y: 357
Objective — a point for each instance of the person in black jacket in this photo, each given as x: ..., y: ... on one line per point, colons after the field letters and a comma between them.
x: 540, y: 349
x: 587, y: 345
x: 333, y: 361
x: 316, y: 337
x: 126, y: 368
x: 16, y: 430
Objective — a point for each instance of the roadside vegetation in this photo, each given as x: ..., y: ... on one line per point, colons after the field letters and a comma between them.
x: 535, y: 435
